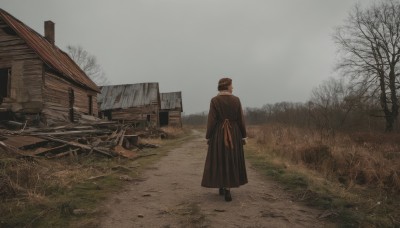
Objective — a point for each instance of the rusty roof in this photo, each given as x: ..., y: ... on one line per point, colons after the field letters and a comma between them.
x: 128, y: 96
x: 171, y: 100
x: 50, y: 54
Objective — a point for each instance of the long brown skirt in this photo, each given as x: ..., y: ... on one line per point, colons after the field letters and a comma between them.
x: 225, y: 167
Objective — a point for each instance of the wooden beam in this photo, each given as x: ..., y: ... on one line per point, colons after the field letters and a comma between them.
x: 86, y: 147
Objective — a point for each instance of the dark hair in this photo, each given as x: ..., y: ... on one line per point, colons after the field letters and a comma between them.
x: 223, y: 83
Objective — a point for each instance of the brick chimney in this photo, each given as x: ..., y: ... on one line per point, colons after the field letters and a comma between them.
x: 49, y: 31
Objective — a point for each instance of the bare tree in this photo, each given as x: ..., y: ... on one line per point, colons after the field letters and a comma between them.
x: 88, y: 63
x: 330, y: 104
x: 370, y: 53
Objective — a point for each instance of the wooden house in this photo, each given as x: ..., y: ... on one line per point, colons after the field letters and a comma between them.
x: 134, y: 103
x: 38, y: 81
x: 171, y: 109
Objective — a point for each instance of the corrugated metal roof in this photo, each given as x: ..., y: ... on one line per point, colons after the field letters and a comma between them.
x: 128, y: 96
x: 172, y: 100
x: 50, y: 54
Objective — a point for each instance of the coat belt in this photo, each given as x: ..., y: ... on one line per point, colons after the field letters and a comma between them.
x: 226, y: 126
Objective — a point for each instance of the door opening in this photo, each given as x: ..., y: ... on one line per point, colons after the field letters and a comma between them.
x: 163, y: 119
x: 5, y: 82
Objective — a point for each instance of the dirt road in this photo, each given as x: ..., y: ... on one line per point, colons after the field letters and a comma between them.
x: 171, y: 196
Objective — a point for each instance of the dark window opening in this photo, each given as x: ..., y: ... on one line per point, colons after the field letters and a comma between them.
x: 148, y: 118
x: 90, y: 99
x: 108, y: 114
x: 71, y: 104
x: 163, y: 119
x: 5, y: 82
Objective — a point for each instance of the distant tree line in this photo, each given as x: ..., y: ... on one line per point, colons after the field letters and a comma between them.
x: 197, y: 119
x: 332, y: 107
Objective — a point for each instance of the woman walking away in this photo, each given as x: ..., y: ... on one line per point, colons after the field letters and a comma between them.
x: 226, y: 134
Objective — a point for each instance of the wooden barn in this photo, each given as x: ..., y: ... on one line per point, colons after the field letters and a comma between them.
x: 134, y: 103
x: 38, y: 81
x: 171, y: 109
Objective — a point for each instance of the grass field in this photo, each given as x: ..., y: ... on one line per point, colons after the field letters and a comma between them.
x: 352, y: 177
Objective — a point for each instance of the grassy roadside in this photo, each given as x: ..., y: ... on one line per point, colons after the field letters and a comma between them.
x: 345, y: 206
x: 69, y: 192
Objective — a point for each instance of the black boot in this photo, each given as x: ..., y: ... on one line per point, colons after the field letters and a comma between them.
x: 221, y: 191
x: 228, y: 196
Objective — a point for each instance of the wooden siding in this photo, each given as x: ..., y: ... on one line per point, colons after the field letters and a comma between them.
x: 56, y: 99
x: 137, y: 114
x: 26, y: 73
x: 174, y: 118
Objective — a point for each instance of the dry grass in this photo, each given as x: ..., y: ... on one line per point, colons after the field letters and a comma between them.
x: 355, y: 175
x: 365, y: 159
x: 33, y: 179
x: 173, y: 132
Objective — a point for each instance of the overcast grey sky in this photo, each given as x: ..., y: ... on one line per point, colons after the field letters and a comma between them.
x: 274, y: 50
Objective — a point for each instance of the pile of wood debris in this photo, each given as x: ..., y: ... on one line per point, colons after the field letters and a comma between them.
x: 106, y: 138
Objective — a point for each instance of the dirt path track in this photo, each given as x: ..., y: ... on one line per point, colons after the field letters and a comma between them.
x: 171, y: 196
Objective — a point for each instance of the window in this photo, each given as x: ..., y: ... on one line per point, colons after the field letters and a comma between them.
x: 71, y: 104
x: 108, y: 114
x: 5, y: 82
x: 90, y: 100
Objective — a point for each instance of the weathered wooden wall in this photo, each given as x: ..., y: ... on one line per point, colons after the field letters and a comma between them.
x: 138, y: 114
x: 174, y: 118
x: 26, y: 73
x: 57, y: 102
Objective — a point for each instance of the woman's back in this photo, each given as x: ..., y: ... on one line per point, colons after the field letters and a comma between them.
x: 227, y: 107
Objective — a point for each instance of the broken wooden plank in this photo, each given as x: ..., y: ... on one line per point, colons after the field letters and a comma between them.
x: 124, y: 152
x: 116, y: 141
x: 22, y: 141
x: 41, y: 150
x: 69, y: 132
x: 70, y: 152
x: 86, y: 147
x: 113, y: 135
x: 121, y: 139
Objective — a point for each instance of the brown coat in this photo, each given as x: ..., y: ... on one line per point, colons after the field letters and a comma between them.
x: 225, y: 164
